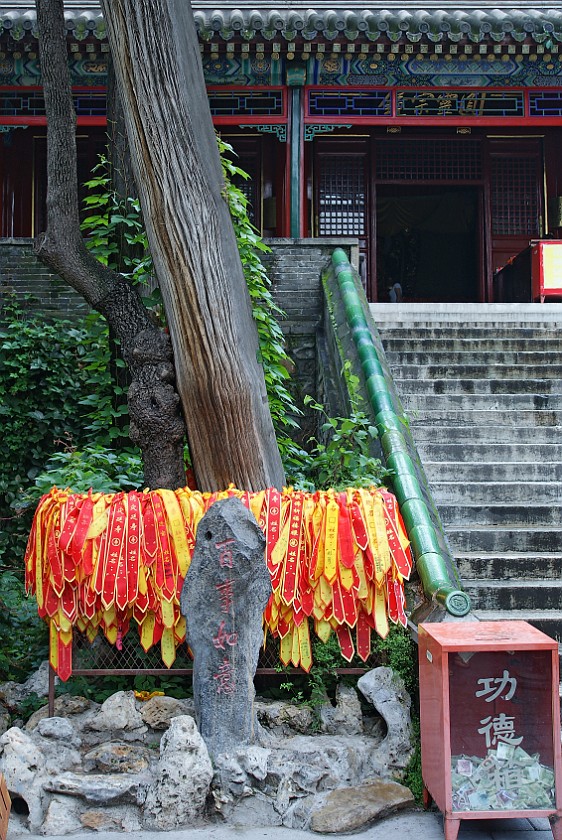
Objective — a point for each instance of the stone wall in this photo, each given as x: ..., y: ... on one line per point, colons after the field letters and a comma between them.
x: 295, y: 267
x: 22, y: 273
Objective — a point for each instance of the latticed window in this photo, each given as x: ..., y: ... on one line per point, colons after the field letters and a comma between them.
x: 424, y: 159
x: 515, y: 195
x: 341, y: 196
x: 249, y: 186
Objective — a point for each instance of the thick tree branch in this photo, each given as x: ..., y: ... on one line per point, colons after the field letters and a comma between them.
x: 156, y: 422
x: 178, y: 175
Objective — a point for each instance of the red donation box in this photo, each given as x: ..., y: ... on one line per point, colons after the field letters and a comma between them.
x: 490, y: 722
x: 546, y: 269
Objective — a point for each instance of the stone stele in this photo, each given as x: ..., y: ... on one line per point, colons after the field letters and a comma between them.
x: 223, y: 598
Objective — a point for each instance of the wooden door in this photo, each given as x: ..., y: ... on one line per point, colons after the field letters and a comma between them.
x: 341, y: 205
x: 516, y: 197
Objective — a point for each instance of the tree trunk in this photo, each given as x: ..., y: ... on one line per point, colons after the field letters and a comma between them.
x: 178, y: 175
x: 156, y: 422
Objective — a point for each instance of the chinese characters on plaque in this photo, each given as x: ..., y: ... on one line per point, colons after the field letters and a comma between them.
x: 501, y: 755
x: 459, y: 103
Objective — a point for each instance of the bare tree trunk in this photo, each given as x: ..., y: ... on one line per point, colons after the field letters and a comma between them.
x: 178, y: 175
x: 156, y: 422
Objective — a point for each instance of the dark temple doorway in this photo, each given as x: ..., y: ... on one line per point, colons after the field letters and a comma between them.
x: 428, y: 240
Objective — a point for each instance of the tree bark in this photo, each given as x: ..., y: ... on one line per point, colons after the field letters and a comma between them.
x: 178, y: 175
x: 156, y: 422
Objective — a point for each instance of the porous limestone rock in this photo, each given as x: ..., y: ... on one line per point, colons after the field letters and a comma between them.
x: 349, y: 809
x: 230, y: 781
x: 385, y: 689
x: 345, y: 718
x: 255, y: 810
x: 67, y: 706
x: 112, y: 818
x: 58, y: 729
x: 117, y: 757
x: 297, y: 815
x: 12, y: 693
x: 5, y: 719
x: 22, y: 762
x: 281, y: 719
x: 292, y: 772
x: 62, y: 817
x: 253, y: 759
x: 58, y: 742
x: 118, y: 713
x: 182, y: 780
x: 103, y: 765
x: 159, y: 711
x: 99, y: 787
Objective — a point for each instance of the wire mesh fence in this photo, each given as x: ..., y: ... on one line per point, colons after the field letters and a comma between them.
x: 102, y: 657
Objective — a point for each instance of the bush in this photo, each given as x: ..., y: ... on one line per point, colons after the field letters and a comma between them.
x: 44, y: 378
x: 23, y: 635
x: 56, y: 394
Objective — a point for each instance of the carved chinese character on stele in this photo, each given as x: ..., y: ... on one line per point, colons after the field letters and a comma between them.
x: 223, y: 598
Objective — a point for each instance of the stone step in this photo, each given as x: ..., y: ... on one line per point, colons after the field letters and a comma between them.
x: 496, y: 432
x: 509, y: 565
x: 463, y: 332
x: 482, y: 387
x: 443, y: 370
x: 464, y: 314
x: 460, y: 452
x: 515, y: 595
x: 492, y: 471
x: 481, y: 402
x: 495, y: 539
x: 548, y: 621
x: 440, y: 344
x: 478, y: 386
x: 470, y: 358
x: 496, y: 492
x: 532, y: 513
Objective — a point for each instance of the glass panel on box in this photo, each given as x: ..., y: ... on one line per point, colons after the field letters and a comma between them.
x: 502, y: 751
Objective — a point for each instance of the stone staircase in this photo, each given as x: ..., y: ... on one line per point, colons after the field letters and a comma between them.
x: 482, y: 387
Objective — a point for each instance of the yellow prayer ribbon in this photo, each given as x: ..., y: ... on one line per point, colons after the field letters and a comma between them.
x: 331, y: 544
x: 176, y: 529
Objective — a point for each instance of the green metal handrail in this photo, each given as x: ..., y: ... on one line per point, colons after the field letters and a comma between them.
x: 430, y: 562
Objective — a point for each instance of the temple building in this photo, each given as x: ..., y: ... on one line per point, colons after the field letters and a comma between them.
x: 431, y: 133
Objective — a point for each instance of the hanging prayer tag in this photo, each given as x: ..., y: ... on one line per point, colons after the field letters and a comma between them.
x: 97, y: 560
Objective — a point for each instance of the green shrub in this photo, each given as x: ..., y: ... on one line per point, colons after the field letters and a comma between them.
x: 23, y: 635
x: 45, y: 381
x: 93, y: 467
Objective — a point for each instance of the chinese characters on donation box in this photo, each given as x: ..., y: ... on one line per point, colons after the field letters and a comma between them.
x: 501, y: 731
